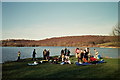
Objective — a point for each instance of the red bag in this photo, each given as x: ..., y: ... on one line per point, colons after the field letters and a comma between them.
x: 84, y: 59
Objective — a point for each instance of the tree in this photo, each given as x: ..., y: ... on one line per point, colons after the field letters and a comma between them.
x: 116, y: 30
x: 116, y: 34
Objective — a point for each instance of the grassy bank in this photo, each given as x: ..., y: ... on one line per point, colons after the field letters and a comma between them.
x: 110, y: 44
x: 20, y: 70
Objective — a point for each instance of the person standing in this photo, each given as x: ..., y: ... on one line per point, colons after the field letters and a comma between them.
x: 96, y: 53
x: 81, y: 55
x: 18, y: 55
x: 62, y: 55
x: 45, y: 54
x: 33, y: 55
x: 86, y: 53
x: 77, y: 51
x: 65, y: 51
x: 48, y: 54
x: 68, y: 54
x: 85, y: 57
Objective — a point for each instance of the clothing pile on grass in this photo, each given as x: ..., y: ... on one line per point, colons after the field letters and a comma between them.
x: 52, y: 60
x: 91, y: 62
x: 56, y: 60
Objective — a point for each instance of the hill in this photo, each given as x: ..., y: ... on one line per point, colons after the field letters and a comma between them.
x: 87, y: 40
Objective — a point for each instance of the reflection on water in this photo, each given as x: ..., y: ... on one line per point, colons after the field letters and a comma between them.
x: 10, y: 53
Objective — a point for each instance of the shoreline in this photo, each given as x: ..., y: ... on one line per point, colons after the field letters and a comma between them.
x: 109, y: 47
x: 68, y: 46
x: 40, y: 58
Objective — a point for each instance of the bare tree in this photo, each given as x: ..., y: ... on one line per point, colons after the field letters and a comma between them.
x: 116, y: 30
x: 116, y: 34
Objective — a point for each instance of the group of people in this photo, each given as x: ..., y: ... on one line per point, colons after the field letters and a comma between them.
x: 46, y: 54
x: 65, y: 55
x: 84, y: 55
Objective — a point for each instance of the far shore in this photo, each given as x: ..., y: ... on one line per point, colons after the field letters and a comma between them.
x: 107, y: 46
x: 68, y: 46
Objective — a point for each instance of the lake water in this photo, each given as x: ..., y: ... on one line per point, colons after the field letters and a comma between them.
x: 10, y: 53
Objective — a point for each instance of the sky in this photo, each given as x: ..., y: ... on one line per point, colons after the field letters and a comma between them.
x: 40, y: 20
x: 60, y: 0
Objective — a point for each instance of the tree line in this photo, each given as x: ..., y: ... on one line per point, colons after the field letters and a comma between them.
x: 88, y: 40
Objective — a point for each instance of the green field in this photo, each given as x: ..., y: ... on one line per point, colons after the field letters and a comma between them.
x: 20, y: 70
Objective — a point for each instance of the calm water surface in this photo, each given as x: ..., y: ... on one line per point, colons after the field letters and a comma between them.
x: 10, y: 53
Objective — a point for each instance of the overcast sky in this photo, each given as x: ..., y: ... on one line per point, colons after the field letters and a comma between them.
x: 40, y: 20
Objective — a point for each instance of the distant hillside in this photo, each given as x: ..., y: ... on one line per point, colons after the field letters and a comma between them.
x: 88, y: 40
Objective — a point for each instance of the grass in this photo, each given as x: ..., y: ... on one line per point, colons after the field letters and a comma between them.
x: 20, y: 70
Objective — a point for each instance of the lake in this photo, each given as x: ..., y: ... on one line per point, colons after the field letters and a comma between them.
x: 10, y: 53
